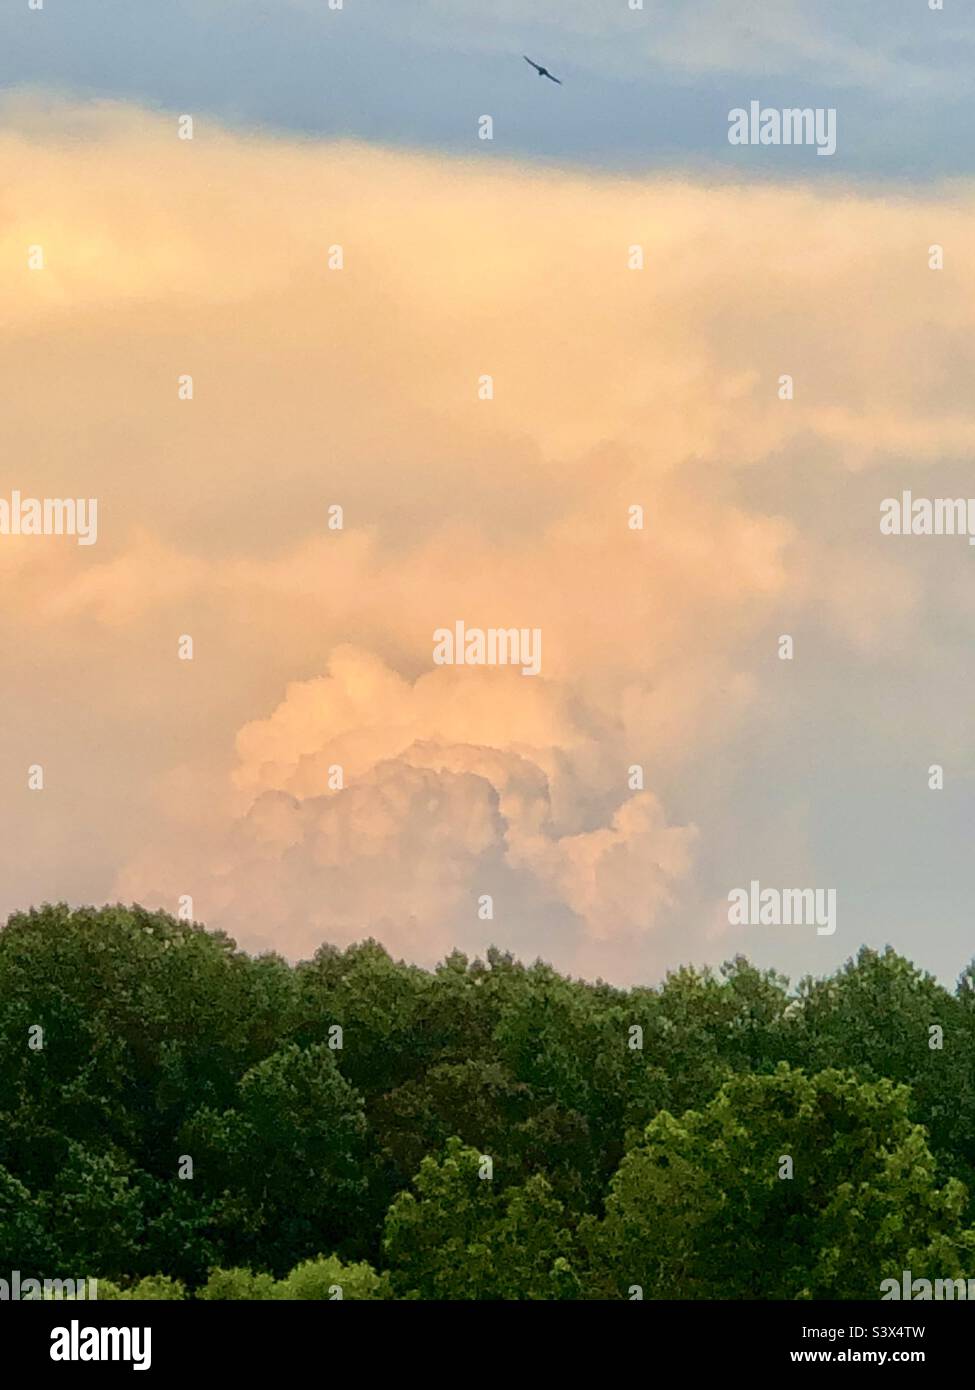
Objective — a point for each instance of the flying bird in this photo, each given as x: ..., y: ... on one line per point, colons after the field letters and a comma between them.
x: 542, y: 72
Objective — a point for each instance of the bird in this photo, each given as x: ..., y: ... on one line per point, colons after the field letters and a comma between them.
x: 542, y: 72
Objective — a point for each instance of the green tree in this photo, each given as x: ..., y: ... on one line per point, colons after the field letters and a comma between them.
x: 237, y: 1284
x: 286, y: 1165
x: 459, y: 1237
x: 94, y: 1212
x: 875, y: 1018
x: 145, y: 1019
x: 702, y: 1209
x: 153, y: 1288
x: 327, y: 1278
x: 24, y: 1241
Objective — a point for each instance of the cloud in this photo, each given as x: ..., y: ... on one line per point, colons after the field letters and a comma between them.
x: 368, y: 799
x: 613, y: 389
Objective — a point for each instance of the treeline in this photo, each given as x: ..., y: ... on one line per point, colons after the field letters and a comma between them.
x: 178, y: 1118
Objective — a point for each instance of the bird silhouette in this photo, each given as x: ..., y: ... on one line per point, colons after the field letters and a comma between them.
x: 542, y: 72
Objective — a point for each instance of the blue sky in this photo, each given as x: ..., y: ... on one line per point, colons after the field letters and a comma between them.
x: 642, y: 89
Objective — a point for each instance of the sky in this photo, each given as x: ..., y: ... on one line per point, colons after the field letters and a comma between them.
x: 643, y: 88
x: 614, y: 387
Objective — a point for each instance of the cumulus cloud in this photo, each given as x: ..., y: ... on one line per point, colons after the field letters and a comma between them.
x: 366, y: 798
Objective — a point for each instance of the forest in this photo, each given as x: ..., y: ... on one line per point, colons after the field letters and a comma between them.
x: 180, y: 1119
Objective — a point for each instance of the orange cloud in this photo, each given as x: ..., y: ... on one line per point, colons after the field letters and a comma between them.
x: 613, y: 388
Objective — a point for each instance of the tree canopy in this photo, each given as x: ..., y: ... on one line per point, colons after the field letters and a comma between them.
x: 175, y: 1110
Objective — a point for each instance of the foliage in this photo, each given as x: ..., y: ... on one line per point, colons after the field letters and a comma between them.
x: 170, y: 1103
x: 783, y: 1186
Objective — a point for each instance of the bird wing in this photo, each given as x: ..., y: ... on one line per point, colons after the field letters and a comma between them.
x: 554, y: 79
x: 528, y: 60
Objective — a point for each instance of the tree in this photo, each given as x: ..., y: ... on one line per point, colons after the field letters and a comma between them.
x: 287, y: 1162
x: 144, y: 1019
x: 460, y: 1238
x: 156, y: 1288
x: 327, y: 1278
x: 705, y: 1207
x: 94, y: 1213
x: 24, y: 1240
x: 875, y: 1017
x: 237, y: 1284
